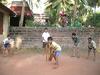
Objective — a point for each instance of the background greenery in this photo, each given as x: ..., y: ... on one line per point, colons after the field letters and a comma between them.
x: 79, y: 13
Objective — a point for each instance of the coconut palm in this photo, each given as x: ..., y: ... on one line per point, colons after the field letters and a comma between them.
x: 23, y: 10
x: 94, y: 4
x: 53, y: 8
x: 73, y: 8
x: 22, y: 14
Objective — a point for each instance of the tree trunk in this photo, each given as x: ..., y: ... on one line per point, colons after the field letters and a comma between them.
x: 75, y: 11
x: 22, y: 14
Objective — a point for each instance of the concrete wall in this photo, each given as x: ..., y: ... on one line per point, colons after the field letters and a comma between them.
x: 32, y: 37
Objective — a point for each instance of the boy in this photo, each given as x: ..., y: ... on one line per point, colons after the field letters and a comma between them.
x: 91, y: 46
x: 55, y: 50
x: 75, y: 39
x: 6, y: 45
x: 45, y: 36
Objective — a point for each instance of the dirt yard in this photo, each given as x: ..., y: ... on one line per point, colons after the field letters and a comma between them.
x: 35, y: 64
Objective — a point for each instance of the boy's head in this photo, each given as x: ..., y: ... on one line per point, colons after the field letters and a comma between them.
x: 46, y: 29
x: 89, y: 39
x: 8, y: 36
x: 50, y: 39
x: 73, y: 34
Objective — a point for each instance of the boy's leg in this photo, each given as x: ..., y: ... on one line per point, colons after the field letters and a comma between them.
x: 56, y: 60
x: 8, y: 49
x: 5, y: 51
x: 51, y: 57
x: 57, y: 54
x: 77, y: 52
x: 73, y: 52
x: 55, y: 57
x: 94, y: 52
x: 44, y: 48
x: 89, y: 50
x: 11, y: 51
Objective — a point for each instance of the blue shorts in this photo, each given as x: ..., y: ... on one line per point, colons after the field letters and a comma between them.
x: 57, y: 53
x: 6, y: 45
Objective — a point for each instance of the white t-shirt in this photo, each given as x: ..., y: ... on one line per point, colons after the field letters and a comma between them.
x: 93, y: 43
x: 6, y: 41
x: 45, y: 36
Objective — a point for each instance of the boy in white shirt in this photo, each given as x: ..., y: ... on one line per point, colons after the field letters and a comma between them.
x: 45, y: 36
x: 6, y: 45
x: 91, y: 46
x: 55, y: 50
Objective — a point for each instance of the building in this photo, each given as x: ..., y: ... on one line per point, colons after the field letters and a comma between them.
x: 42, y: 19
x: 5, y: 14
x: 16, y: 6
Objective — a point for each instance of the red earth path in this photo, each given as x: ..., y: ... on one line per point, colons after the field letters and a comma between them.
x: 35, y: 64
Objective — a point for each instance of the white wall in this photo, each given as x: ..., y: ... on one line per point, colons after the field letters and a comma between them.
x: 6, y: 22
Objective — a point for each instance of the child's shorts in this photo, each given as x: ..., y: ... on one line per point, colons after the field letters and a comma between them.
x: 6, y: 45
x: 44, y: 44
x: 91, y: 48
x: 76, y: 45
x: 57, y: 53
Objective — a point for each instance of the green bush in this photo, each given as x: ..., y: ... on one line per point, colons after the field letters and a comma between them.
x: 31, y: 23
x: 94, y: 20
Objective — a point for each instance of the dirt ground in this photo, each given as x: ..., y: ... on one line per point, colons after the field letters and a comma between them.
x: 35, y: 64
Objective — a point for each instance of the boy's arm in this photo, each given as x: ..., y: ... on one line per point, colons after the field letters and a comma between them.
x: 53, y: 49
x: 42, y: 37
x: 50, y: 49
x: 94, y: 44
x: 78, y: 40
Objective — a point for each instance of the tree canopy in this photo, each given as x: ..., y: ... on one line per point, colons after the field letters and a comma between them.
x: 74, y: 9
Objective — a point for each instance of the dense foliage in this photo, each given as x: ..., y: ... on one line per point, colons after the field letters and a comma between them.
x: 94, y: 20
x: 79, y: 10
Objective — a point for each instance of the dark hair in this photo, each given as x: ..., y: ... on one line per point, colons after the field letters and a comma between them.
x: 9, y: 35
x: 89, y: 38
x: 74, y: 34
x: 45, y: 28
x: 50, y: 38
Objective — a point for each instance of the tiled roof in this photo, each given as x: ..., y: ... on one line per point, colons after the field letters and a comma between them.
x: 6, y: 9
